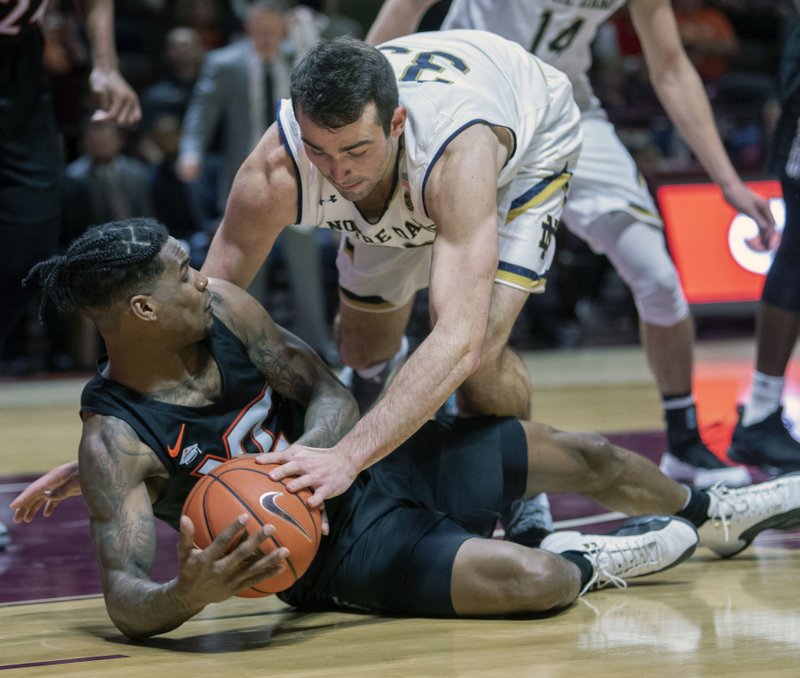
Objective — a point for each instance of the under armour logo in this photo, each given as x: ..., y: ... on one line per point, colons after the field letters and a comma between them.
x: 269, y: 501
x: 330, y: 198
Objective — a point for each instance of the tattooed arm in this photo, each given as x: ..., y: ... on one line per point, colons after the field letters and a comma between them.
x: 291, y: 366
x: 114, y: 469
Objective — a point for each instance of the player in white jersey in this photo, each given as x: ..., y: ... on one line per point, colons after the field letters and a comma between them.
x: 609, y: 206
x: 444, y: 160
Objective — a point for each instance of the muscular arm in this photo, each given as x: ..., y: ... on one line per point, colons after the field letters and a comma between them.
x: 114, y: 467
x: 462, y: 276
x: 262, y: 202
x: 115, y: 97
x: 291, y: 366
x: 396, y: 18
x: 681, y: 92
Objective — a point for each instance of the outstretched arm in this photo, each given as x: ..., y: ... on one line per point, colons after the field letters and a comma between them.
x: 116, y: 99
x: 114, y: 466
x: 465, y: 249
x: 681, y: 92
x: 396, y: 18
x: 49, y: 491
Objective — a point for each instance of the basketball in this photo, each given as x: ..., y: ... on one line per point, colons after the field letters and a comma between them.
x: 242, y: 486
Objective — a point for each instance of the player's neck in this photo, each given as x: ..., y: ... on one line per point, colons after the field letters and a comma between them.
x: 185, y: 376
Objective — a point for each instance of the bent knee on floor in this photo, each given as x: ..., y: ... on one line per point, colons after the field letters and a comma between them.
x: 603, y: 462
x: 543, y: 581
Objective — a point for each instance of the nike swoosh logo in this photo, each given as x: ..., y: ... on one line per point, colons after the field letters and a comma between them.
x: 173, y: 450
x: 268, y: 501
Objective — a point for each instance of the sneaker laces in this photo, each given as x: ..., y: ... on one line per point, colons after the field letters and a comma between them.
x: 730, y: 505
x: 612, y: 563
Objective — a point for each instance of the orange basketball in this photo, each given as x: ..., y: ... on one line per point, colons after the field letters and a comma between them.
x: 242, y: 486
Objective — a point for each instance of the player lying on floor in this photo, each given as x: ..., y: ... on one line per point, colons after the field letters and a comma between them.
x: 189, y: 356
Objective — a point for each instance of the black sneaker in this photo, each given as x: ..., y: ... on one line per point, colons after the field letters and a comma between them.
x: 766, y: 444
x: 697, y: 466
x: 367, y: 391
x: 528, y: 520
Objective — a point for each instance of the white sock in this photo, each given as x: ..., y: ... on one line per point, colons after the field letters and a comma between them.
x: 765, y: 398
x: 375, y: 370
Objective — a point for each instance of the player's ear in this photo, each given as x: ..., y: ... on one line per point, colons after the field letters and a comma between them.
x: 142, y: 306
x: 398, y: 121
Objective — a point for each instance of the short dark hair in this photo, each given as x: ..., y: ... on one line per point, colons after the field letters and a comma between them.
x: 336, y: 79
x: 107, y: 264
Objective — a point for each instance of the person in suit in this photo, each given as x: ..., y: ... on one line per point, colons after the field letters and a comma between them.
x: 104, y: 184
x: 238, y: 89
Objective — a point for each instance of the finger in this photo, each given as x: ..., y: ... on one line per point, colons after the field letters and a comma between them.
x: 38, y: 486
x: 50, y: 506
x: 269, y: 565
x: 271, y: 458
x: 252, y: 544
x: 127, y: 114
x: 317, y: 498
x: 100, y: 115
x: 326, y: 528
x: 186, y: 540
x: 115, y: 109
x: 225, y: 539
x: 285, y: 469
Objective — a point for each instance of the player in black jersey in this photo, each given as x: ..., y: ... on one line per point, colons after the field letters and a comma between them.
x: 197, y: 372
x: 30, y: 159
x: 30, y: 156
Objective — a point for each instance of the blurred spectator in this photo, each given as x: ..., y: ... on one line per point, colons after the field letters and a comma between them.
x: 173, y: 200
x: 708, y: 37
x: 238, y: 89
x: 212, y: 19
x: 30, y: 148
x: 103, y: 184
x: 169, y: 95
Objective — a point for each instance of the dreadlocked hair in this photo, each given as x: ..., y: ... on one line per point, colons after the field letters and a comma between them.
x: 107, y: 264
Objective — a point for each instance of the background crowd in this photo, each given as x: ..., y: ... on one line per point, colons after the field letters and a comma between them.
x: 208, y: 73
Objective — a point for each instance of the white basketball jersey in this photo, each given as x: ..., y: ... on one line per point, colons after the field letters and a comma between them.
x: 447, y: 80
x: 559, y: 32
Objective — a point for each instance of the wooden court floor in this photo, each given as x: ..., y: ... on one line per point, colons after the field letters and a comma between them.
x: 738, y: 617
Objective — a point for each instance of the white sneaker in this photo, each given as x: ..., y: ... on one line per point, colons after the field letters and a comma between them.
x: 5, y: 538
x: 702, y: 478
x: 640, y: 546
x: 737, y: 516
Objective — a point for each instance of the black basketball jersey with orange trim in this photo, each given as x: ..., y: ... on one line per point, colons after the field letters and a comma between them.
x: 188, y: 440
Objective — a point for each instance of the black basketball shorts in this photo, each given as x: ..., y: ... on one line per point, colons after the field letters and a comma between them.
x: 395, y: 534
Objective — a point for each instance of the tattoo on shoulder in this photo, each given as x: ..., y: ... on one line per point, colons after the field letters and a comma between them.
x: 276, y: 366
x: 109, y: 468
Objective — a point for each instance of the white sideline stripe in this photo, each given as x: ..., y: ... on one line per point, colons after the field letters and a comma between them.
x: 577, y: 522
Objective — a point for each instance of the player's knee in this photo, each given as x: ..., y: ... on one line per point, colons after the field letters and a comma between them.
x: 602, y: 462
x: 542, y: 582
x: 659, y: 298
x: 358, y: 353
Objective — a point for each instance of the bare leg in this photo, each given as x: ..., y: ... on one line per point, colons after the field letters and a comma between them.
x: 588, y: 463
x: 367, y: 338
x: 776, y: 336
x: 501, y: 385
x: 493, y: 577
x: 670, y: 354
